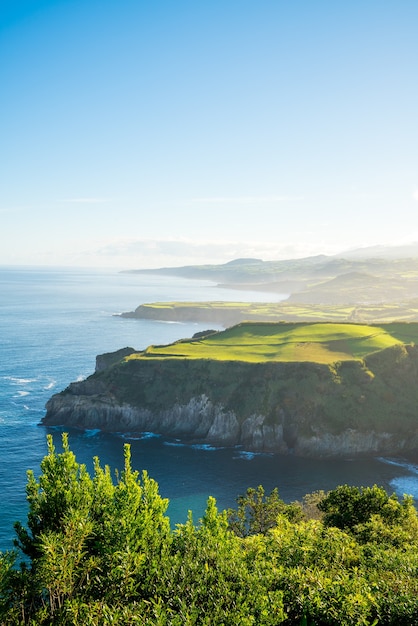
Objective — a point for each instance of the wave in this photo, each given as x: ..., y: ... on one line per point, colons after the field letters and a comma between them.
x: 149, y: 435
x: 20, y: 381
x: 410, y: 467
x: 175, y: 444
x: 404, y: 484
x: 91, y: 432
x: 140, y: 436
x: 205, y: 446
x: 246, y: 455
x: 21, y: 394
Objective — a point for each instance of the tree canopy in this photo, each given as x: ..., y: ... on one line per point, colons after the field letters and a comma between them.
x: 98, y: 550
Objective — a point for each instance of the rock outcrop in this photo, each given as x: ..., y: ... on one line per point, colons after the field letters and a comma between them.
x: 348, y: 408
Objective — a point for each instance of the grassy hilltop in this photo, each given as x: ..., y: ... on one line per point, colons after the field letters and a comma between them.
x: 320, y: 389
x: 288, y: 342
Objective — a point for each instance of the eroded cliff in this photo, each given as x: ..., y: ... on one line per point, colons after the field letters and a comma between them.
x: 347, y: 408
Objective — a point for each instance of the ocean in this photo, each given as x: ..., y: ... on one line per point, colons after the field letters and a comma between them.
x: 53, y: 323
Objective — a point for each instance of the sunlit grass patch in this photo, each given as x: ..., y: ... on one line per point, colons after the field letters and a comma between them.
x: 267, y: 341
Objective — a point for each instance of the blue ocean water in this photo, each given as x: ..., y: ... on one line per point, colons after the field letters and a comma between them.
x: 53, y: 323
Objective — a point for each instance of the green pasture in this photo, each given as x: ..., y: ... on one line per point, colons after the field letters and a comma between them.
x: 224, y: 312
x: 283, y: 341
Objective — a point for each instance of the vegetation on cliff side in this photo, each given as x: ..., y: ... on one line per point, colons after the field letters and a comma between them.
x: 354, y: 378
x: 99, y: 551
x: 322, y: 376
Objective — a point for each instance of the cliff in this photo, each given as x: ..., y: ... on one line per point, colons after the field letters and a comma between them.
x: 228, y: 313
x: 350, y: 407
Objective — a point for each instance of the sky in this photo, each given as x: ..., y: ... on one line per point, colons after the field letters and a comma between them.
x: 149, y: 133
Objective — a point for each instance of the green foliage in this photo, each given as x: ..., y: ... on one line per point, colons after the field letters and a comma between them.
x: 257, y: 513
x: 371, y: 514
x: 64, y: 486
x: 101, y: 552
x: 89, y: 538
x: 310, y: 504
x: 210, y: 582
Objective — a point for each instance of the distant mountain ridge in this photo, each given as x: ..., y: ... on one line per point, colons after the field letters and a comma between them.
x: 373, y: 275
x: 409, y: 250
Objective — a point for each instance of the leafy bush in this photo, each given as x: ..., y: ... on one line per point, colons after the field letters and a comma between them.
x: 100, y: 552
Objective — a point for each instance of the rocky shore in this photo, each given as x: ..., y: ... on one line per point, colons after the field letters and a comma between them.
x: 351, y: 408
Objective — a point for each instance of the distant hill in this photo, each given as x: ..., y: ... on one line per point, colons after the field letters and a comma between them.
x: 408, y: 251
x: 241, y: 271
x: 359, y: 288
x: 374, y: 275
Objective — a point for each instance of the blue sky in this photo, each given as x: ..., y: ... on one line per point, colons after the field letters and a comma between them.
x: 140, y: 133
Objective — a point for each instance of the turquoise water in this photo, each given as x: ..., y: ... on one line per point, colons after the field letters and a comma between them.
x: 53, y: 323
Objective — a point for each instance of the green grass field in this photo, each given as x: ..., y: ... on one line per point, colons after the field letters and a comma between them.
x: 292, y: 342
x: 228, y: 313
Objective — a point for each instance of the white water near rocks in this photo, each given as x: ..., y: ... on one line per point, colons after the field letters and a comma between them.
x: 53, y: 323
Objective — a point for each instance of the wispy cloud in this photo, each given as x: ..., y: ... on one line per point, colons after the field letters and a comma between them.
x: 153, y: 253
x: 86, y: 200
x: 147, y: 253
x: 247, y: 199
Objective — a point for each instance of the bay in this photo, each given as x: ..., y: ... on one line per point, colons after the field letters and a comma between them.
x: 53, y: 323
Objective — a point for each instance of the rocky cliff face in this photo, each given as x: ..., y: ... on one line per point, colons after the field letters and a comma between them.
x: 348, y: 408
